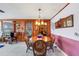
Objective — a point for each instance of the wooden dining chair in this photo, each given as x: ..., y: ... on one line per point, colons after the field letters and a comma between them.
x: 39, y: 48
x: 28, y: 44
x: 50, y: 44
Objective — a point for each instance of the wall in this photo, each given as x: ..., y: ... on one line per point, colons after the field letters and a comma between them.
x: 69, y: 46
x: 65, y: 37
x: 68, y: 32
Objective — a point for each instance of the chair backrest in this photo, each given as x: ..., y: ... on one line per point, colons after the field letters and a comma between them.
x: 39, y: 48
x: 26, y: 39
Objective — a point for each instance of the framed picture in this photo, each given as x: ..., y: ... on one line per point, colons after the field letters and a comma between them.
x: 69, y: 21
x: 65, y: 22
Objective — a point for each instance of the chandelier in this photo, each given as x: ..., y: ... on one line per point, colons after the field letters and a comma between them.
x: 39, y: 22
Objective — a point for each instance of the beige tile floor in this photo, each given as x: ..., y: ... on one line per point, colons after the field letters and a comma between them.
x: 19, y: 49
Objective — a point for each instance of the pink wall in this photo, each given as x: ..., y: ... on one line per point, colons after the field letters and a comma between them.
x: 69, y: 46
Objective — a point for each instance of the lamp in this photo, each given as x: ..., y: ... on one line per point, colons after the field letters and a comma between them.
x: 39, y: 22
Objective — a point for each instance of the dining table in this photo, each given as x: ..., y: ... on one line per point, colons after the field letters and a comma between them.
x: 47, y: 39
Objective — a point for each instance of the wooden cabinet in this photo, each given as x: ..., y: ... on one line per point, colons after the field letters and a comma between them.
x: 21, y: 26
x: 20, y: 29
x: 41, y: 28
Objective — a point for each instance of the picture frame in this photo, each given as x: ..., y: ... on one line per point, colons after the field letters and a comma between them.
x: 69, y: 21
x: 65, y: 22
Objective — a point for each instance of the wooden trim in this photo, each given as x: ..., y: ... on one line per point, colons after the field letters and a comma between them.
x: 21, y: 19
x: 60, y: 10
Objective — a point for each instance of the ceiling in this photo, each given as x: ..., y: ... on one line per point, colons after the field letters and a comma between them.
x: 29, y: 10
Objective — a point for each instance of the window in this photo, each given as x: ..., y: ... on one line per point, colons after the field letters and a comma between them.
x: 7, y: 27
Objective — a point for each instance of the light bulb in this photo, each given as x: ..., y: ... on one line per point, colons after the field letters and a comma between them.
x: 42, y: 23
x: 36, y: 23
x: 45, y: 23
x: 39, y: 23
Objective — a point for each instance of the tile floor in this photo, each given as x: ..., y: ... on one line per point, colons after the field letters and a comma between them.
x: 19, y: 49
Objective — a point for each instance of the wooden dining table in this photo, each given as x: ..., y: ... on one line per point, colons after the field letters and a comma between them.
x: 48, y: 40
x: 44, y: 38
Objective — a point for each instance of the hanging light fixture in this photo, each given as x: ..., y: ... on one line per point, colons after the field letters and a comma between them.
x: 39, y: 22
x: 39, y: 13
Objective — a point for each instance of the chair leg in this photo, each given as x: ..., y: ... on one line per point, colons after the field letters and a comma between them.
x: 51, y: 47
x: 27, y: 50
x: 28, y: 47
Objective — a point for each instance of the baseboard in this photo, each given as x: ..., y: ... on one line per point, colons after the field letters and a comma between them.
x: 61, y: 51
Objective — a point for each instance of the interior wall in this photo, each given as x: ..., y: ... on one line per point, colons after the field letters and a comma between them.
x: 72, y: 8
x: 65, y: 38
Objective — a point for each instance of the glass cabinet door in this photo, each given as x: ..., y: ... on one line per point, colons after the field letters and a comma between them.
x: 29, y: 28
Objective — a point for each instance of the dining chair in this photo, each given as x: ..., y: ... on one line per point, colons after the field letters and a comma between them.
x: 39, y: 48
x: 50, y: 44
x: 28, y: 44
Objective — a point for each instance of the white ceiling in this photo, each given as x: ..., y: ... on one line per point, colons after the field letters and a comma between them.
x: 29, y: 10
